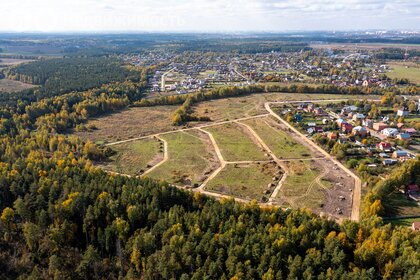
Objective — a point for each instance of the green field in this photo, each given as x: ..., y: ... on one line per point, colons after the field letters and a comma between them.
x: 134, y: 156
x: 189, y: 159
x: 409, y: 71
x: 402, y: 206
x: 248, y: 181
x: 235, y: 143
x: 279, y: 141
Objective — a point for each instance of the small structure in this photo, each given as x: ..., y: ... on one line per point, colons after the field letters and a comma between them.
x: 416, y: 225
x: 332, y: 135
x: 389, y: 161
x: 390, y: 132
x: 413, y: 188
x: 384, y: 155
x: 379, y: 126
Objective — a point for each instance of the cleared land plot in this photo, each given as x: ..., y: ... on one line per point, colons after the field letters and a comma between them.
x: 248, y: 181
x: 191, y: 159
x: 251, y: 105
x: 236, y: 143
x: 410, y: 71
x: 281, y: 143
x: 407, y: 222
x: 130, y: 123
x: 300, y: 189
x: 132, y: 157
x: 8, y: 85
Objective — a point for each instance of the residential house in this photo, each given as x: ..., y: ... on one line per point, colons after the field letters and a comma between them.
x: 349, y: 109
x: 346, y: 127
x: 400, y: 154
x: 404, y: 136
x: 402, y: 112
x: 379, y: 126
x: 410, y: 131
x: 368, y: 123
x: 358, y: 117
x: 384, y: 146
x: 390, y: 132
x: 359, y: 131
x: 383, y: 155
x: 415, y: 225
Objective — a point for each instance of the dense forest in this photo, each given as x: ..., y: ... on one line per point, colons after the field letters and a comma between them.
x: 63, y: 218
x: 61, y: 75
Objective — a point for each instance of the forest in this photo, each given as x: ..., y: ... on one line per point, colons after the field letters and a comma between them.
x: 62, y: 75
x: 63, y: 218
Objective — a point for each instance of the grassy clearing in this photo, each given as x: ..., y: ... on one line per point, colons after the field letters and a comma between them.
x: 132, y: 157
x: 279, y: 141
x: 402, y: 205
x: 248, y: 181
x: 189, y: 158
x: 235, y: 143
x: 407, y: 222
x: 406, y: 70
x: 130, y: 123
x: 8, y: 85
x: 300, y: 189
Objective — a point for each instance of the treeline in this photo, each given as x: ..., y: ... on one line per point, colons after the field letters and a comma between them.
x: 226, y: 92
x: 185, y: 114
x: 62, y: 75
x: 378, y: 201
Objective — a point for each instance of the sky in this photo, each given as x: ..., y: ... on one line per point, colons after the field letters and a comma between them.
x: 207, y: 15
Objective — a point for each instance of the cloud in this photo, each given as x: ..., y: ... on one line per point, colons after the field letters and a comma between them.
x: 208, y: 15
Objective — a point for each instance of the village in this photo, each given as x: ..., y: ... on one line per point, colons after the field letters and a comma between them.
x: 195, y: 71
x: 367, y: 141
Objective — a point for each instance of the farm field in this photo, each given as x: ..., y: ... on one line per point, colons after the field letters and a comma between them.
x: 236, y: 143
x: 133, y: 157
x: 248, y: 181
x: 280, y: 141
x: 130, y: 123
x: 8, y: 85
x: 408, y: 70
x: 190, y: 159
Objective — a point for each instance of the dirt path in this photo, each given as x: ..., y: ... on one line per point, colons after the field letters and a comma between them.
x: 355, y: 213
x: 219, y: 156
x: 357, y: 189
x: 165, y: 156
x: 185, y: 129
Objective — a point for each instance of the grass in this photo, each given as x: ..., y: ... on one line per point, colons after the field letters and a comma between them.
x: 296, y: 189
x: 248, y: 181
x: 235, y: 143
x: 279, y: 141
x: 132, y: 157
x: 410, y: 71
x: 130, y: 123
x: 8, y: 85
x: 406, y: 222
x: 402, y: 206
x: 189, y: 158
